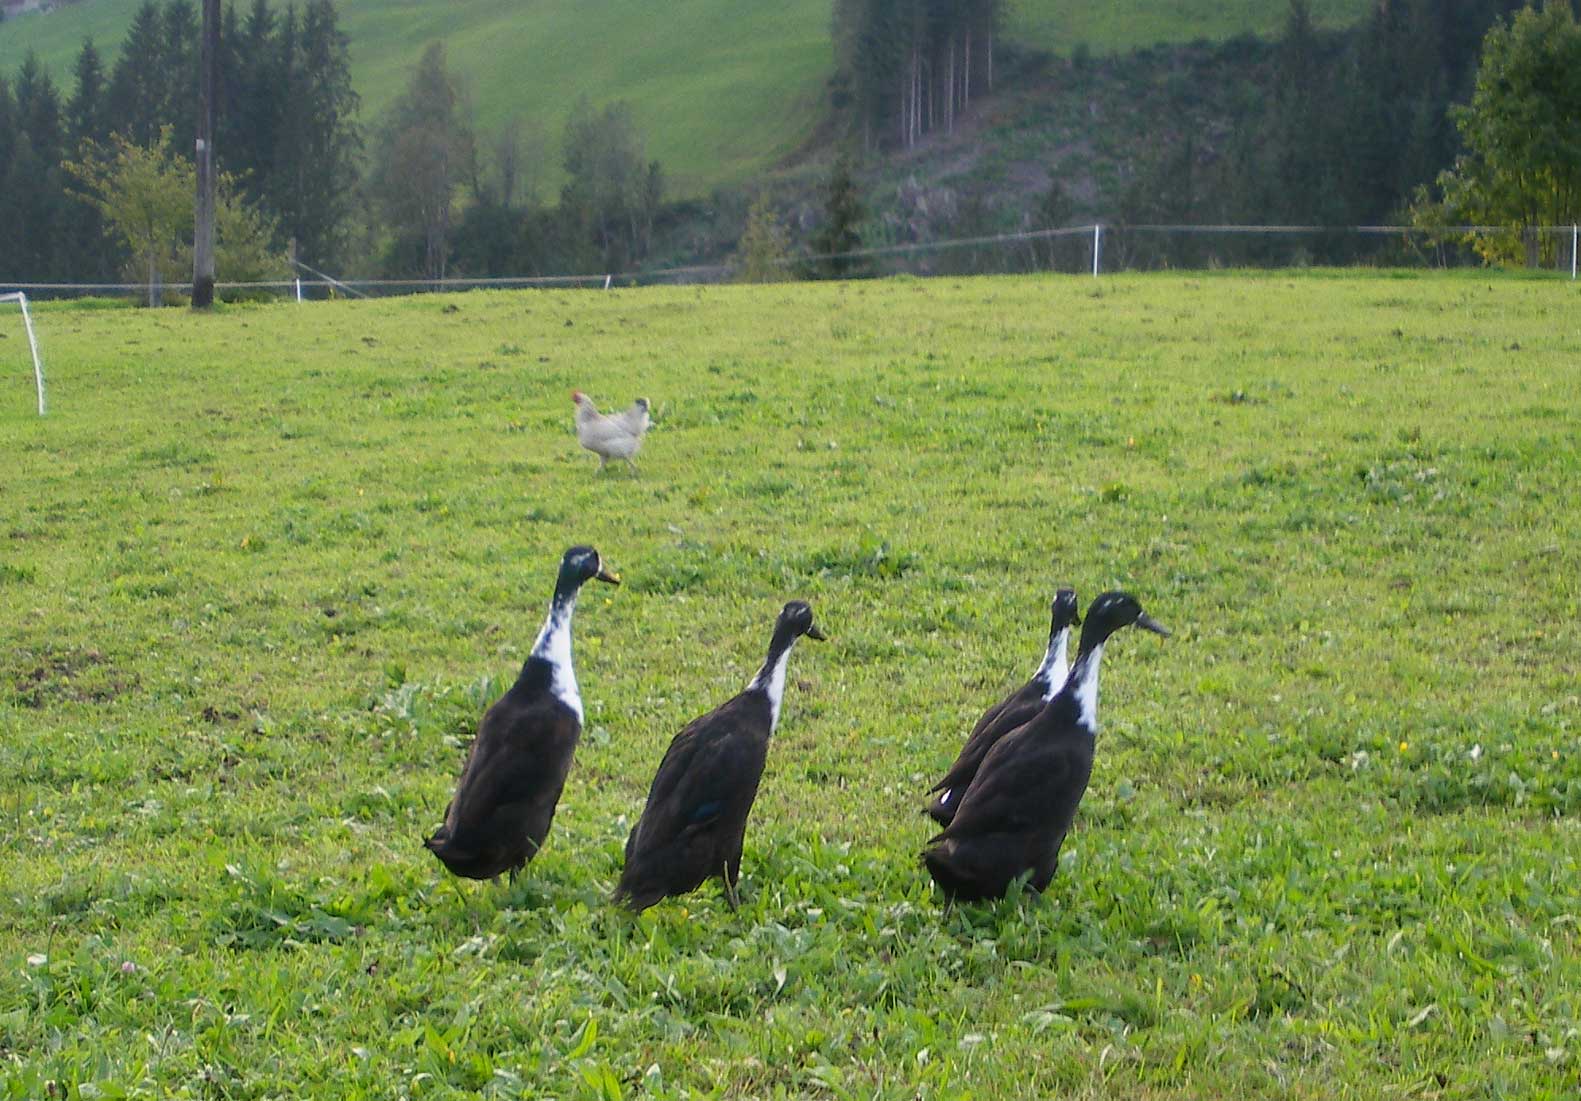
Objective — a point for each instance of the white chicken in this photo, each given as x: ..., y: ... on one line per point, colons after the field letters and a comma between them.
x: 612, y: 435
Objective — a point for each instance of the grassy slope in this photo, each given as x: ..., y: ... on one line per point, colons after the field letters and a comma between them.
x: 723, y: 88
x: 263, y: 569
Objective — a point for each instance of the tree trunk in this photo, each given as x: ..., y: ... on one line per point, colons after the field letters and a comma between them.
x: 911, y: 111
x: 966, y: 76
x: 905, y: 111
x: 949, y: 98
x: 203, y: 230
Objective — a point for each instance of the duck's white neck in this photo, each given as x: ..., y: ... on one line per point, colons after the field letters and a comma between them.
x: 1055, y: 664
x: 1083, y: 684
x: 554, y: 646
x: 770, y: 680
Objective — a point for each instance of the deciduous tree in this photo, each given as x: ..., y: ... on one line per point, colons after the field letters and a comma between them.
x: 146, y: 195
x: 1522, y: 167
x: 612, y: 191
x: 424, y: 153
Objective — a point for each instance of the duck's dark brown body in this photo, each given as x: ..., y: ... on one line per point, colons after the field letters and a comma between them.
x: 1014, y: 710
x: 1014, y: 817
x: 696, y: 815
x: 517, y: 766
x: 515, y: 772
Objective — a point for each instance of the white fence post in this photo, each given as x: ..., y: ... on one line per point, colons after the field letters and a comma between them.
x: 1575, y: 233
x: 1097, y: 248
x: 32, y: 344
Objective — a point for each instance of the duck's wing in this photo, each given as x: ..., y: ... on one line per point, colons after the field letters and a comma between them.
x: 1020, y: 784
x: 519, y: 760
x: 1014, y: 710
x: 709, y: 775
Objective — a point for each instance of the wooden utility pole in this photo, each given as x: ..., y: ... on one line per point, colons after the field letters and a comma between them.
x: 203, y: 230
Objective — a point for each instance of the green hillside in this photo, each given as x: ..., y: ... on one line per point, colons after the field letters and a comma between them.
x: 722, y: 88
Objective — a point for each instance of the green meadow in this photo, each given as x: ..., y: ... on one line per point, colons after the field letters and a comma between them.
x: 261, y: 571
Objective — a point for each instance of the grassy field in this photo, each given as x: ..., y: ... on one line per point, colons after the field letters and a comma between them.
x: 261, y: 570
x: 722, y: 88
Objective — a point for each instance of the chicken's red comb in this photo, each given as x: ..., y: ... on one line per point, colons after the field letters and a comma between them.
x: 577, y: 395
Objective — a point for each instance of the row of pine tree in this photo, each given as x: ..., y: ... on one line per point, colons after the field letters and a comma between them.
x: 417, y: 194
x: 906, y: 68
x: 285, y: 131
x: 1350, y: 124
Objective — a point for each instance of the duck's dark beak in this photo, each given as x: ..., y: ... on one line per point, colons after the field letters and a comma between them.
x: 607, y: 576
x: 1148, y: 623
x: 813, y: 632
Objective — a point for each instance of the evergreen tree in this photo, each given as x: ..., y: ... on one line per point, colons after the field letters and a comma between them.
x: 232, y: 144
x: 38, y: 108
x: 87, y: 112
x: 137, y: 90
x: 316, y: 189
x: 1299, y: 152
x: 178, y: 68
x: 88, y: 252
x: 842, y: 215
x: 762, y: 254
x: 249, y: 123
x: 907, y: 67
x: 10, y: 227
x: 8, y: 128
x: 34, y: 195
x: 280, y: 75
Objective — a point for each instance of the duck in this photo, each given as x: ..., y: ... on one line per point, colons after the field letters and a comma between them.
x: 1010, y: 712
x: 1014, y: 816
x: 516, y: 768
x: 695, y: 818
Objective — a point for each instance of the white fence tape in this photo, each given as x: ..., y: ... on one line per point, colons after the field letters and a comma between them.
x: 360, y: 287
